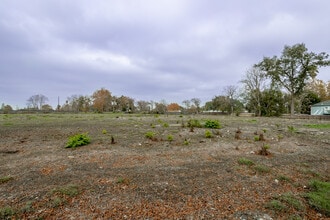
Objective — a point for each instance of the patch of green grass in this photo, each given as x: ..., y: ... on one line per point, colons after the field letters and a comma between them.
x: 165, y: 125
x: 291, y: 201
x: 7, y: 212
x: 284, y: 178
x: 8, y: 124
x: 78, y: 140
x: 27, y: 207
x: 245, y: 161
x: 292, y: 129
x: 262, y: 169
x: 319, y: 196
x: 104, y: 131
x: 256, y: 138
x: 276, y: 205
x: 5, y: 179
x: 68, y: 190
x: 318, y: 126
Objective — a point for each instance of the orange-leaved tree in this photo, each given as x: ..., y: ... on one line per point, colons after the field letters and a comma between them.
x: 173, y: 107
x: 102, y: 100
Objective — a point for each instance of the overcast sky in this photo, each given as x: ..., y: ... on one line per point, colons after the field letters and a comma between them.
x: 147, y: 49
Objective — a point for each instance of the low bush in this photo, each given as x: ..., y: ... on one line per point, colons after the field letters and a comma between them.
x: 78, y: 140
x: 208, y: 134
x: 214, y: 124
x: 194, y: 123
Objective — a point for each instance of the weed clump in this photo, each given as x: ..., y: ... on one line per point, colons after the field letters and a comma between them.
x: 151, y: 135
x: 264, y: 150
x: 78, y: 140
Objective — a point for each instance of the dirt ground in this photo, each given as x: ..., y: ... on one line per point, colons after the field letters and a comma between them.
x: 189, y: 177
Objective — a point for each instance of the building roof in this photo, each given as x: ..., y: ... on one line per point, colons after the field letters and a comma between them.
x: 325, y: 103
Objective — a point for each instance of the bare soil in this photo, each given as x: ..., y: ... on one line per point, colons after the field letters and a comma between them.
x: 191, y: 177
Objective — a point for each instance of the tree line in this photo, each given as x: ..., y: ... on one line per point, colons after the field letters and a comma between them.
x: 271, y: 87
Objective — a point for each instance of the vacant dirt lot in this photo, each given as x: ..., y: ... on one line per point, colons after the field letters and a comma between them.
x: 189, y: 177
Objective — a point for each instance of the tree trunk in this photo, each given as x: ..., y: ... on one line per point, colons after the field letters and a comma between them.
x: 292, y: 104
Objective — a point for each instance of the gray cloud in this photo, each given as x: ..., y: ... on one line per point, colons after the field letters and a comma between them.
x: 149, y: 50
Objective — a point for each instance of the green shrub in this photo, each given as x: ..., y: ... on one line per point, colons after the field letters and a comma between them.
x: 212, y: 124
x: 104, y: 131
x: 194, y: 123
x: 78, y: 140
x: 319, y: 197
x: 165, y: 125
x: 150, y: 135
x: 170, y: 137
x: 208, y: 134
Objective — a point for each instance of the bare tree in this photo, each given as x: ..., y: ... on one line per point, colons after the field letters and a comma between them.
x: 37, y: 101
x: 254, y: 83
x: 197, y: 103
x: 231, y: 92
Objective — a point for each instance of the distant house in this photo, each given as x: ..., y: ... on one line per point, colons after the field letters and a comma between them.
x: 322, y: 108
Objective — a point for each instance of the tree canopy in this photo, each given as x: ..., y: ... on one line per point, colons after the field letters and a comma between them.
x: 293, y: 68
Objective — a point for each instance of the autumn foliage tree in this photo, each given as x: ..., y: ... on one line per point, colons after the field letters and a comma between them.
x: 173, y: 107
x: 102, y: 100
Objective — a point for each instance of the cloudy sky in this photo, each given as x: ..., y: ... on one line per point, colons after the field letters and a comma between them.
x: 147, y: 49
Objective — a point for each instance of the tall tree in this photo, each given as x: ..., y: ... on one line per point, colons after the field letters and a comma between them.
x: 318, y: 87
x: 254, y: 83
x: 143, y: 106
x: 272, y: 102
x: 37, y: 101
x: 173, y: 107
x: 102, y: 100
x: 197, y: 103
x: 231, y: 92
x: 293, y: 68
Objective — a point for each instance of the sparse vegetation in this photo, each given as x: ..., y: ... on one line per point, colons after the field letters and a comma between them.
x: 136, y: 169
x: 68, y: 190
x: 78, y: 140
x: 5, y: 179
x: 7, y: 212
x: 319, y: 196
